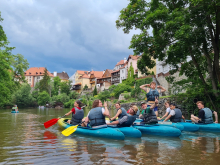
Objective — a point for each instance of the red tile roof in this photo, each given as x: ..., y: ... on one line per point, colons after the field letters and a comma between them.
x: 133, y: 57
x: 97, y: 74
x: 84, y: 76
x: 120, y: 63
x: 82, y: 72
x: 115, y: 71
x: 37, y: 71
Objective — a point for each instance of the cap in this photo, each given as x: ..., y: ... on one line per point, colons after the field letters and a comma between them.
x: 143, y: 102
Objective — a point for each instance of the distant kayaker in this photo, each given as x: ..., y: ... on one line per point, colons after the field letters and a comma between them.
x: 175, y: 114
x: 138, y: 112
x: 148, y: 114
x: 121, y: 112
x: 15, y: 108
x: 128, y: 119
x: 152, y: 92
x: 96, y: 115
x: 77, y: 113
x: 205, y: 114
x: 167, y: 105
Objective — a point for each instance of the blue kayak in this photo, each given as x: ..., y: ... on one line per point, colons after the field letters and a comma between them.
x: 213, y: 127
x: 189, y: 127
x: 106, y: 132
x: 14, y: 112
x: 158, y: 130
x: 129, y: 131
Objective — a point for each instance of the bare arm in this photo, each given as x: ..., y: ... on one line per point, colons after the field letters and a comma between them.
x: 168, y: 117
x: 155, y: 103
x: 144, y: 87
x: 117, y: 114
x: 113, y: 123
x: 106, y: 113
x: 162, y: 89
x: 216, y: 117
x: 68, y: 113
x: 166, y: 114
x: 183, y: 118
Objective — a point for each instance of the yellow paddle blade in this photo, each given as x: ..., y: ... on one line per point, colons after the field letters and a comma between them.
x: 69, y: 130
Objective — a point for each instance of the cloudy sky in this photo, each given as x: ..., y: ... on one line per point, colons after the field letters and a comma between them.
x: 66, y: 35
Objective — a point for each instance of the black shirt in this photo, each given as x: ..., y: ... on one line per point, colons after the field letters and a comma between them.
x: 202, y: 114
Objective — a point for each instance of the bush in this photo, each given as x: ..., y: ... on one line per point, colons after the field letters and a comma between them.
x: 120, y: 88
x: 69, y: 104
x: 127, y: 96
x: 73, y: 95
x: 104, y: 95
x: 63, y: 98
x: 43, y: 98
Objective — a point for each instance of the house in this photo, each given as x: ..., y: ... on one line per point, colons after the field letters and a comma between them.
x: 35, y: 74
x: 63, y: 76
x: 94, y: 75
x: 132, y: 60
x: 123, y: 72
x: 81, y: 78
x: 119, y: 72
x: 115, y: 77
x: 104, y: 82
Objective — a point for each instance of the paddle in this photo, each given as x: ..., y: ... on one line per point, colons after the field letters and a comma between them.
x: 52, y: 122
x: 71, y: 129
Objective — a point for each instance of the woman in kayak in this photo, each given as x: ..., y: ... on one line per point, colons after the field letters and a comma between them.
x: 121, y: 112
x: 152, y: 92
x: 96, y: 115
x: 77, y: 113
x: 167, y: 105
x: 127, y: 120
x: 175, y: 114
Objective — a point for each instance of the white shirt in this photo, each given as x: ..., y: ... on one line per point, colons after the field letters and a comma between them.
x: 168, y: 110
x: 103, y: 110
x: 172, y: 112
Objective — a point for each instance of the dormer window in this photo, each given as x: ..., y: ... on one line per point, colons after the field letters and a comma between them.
x: 29, y: 72
x: 36, y: 73
x: 40, y: 72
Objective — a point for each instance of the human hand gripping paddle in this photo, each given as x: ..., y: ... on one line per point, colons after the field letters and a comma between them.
x: 54, y: 121
x: 71, y: 129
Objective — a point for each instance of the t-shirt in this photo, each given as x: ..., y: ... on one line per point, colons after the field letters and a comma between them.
x: 74, y: 111
x: 147, y: 110
x: 168, y: 110
x: 128, y: 111
x: 172, y: 112
x: 201, y: 114
x: 103, y: 110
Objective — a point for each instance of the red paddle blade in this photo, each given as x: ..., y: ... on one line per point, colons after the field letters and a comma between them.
x: 50, y: 123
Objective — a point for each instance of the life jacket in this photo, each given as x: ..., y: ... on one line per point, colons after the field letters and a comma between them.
x: 96, y: 117
x: 138, y: 113
x: 13, y: 108
x: 124, y: 113
x: 149, y: 117
x: 129, y: 122
x: 208, y: 116
x: 177, y: 117
x: 77, y: 117
x: 152, y: 94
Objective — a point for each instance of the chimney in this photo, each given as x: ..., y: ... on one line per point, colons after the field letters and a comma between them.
x: 103, y: 71
x: 54, y: 74
x: 63, y: 71
x: 125, y: 60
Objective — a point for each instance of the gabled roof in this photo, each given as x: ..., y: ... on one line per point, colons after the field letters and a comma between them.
x: 116, y: 71
x: 36, y: 71
x: 84, y: 76
x: 133, y: 57
x: 120, y: 63
x: 63, y: 76
x: 97, y: 74
x: 82, y: 72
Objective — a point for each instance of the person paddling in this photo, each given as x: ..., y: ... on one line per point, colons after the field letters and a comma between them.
x: 175, y: 114
x: 167, y: 105
x: 96, y: 115
x: 152, y: 92
x: 148, y: 114
x: 77, y: 113
x: 15, y: 108
x: 205, y: 114
x: 128, y: 119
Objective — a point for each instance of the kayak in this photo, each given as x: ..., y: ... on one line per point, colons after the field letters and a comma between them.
x: 213, y: 127
x: 14, y: 112
x: 158, y: 130
x: 106, y: 132
x: 129, y: 131
x: 189, y: 127
x: 170, y: 124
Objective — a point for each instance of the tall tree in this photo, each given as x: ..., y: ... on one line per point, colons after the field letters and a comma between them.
x: 181, y: 29
x: 130, y: 79
x: 56, y: 85
x: 44, y: 83
x: 95, y: 91
x: 65, y: 87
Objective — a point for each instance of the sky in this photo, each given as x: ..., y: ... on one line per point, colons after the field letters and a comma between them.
x: 67, y: 35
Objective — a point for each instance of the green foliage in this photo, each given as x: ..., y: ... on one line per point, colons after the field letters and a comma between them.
x: 62, y: 98
x: 127, y: 96
x: 115, y: 101
x: 73, y: 95
x: 130, y: 79
x: 65, y: 87
x: 136, y: 91
x: 69, y: 104
x: 56, y: 85
x: 104, y: 95
x: 22, y: 97
x: 85, y: 87
x: 95, y: 91
x: 178, y: 33
x: 43, y: 98
x: 120, y: 88
x: 44, y: 83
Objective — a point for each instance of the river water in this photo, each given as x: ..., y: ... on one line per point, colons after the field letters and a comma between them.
x: 24, y: 140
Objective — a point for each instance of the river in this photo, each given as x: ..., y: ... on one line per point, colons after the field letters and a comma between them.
x: 24, y: 140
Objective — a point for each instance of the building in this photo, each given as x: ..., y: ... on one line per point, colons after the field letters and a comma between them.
x: 63, y: 76
x: 35, y: 74
x: 132, y: 60
x: 104, y: 82
x: 81, y: 78
x: 94, y: 75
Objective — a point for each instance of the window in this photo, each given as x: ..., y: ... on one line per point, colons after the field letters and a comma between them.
x: 122, y: 71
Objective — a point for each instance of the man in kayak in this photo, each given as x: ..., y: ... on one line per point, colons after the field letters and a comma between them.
x: 148, y: 114
x: 128, y: 119
x: 152, y: 92
x: 96, y: 115
x: 205, y: 114
x: 175, y: 114
x: 138, y: 112
x: 77, y: 113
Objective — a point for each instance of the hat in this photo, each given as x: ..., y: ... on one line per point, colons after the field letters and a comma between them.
x: 143, y: 102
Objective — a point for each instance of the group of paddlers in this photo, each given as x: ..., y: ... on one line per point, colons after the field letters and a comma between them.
x: 96, y: 116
